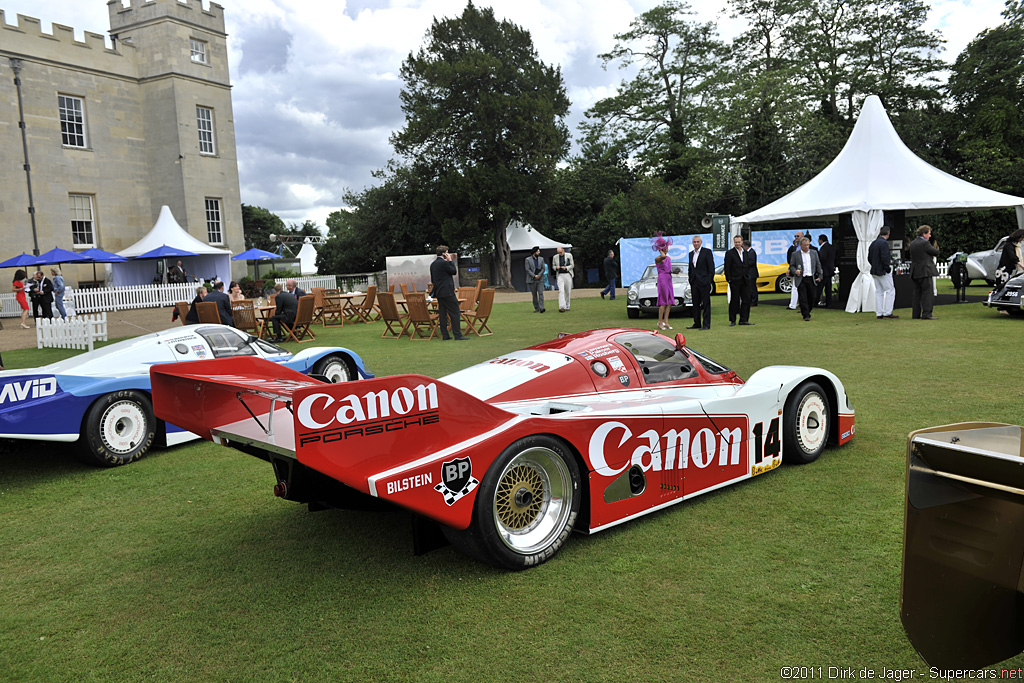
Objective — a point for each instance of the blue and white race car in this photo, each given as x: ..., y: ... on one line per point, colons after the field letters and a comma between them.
x: 102, y: 398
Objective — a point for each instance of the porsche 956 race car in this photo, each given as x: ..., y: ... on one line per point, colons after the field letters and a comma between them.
x: 509, y: 456
x: 102, y: 398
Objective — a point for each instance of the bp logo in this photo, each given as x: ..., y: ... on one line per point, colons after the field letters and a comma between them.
x: 456, y: 480
x: 624, y: 380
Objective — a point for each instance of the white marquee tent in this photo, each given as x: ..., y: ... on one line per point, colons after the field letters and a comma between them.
x: 522, y: 237
x: 876, y: 172
x: 208, y: 262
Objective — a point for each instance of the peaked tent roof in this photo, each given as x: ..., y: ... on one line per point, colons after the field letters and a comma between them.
x: 522, y: 237
x: 166, y: 231
x: 875, y: 170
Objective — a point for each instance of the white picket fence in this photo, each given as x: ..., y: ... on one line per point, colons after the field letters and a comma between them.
x: 161, y: 296
x: 77, y: 332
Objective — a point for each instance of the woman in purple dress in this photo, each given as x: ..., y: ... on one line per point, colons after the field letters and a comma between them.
x: 666, y: 294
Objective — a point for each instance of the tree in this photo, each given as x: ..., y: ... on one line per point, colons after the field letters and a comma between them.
x: 484, y: 122
x: 257, y: 226
x: 393, y: 218
x: 659, y: 115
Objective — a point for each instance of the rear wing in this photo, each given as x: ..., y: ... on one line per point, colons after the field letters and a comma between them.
x: 206, y: 396
x: 363, y: 433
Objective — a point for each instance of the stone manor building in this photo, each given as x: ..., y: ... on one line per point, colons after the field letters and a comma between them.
x: 95, y: 139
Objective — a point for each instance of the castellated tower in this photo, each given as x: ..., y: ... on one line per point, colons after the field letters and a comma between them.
x: 113, y: 133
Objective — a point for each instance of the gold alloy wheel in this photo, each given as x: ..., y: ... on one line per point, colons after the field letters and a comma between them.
x: 533, y: 500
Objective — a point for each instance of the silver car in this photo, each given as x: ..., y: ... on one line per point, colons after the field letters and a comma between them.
x: 981, y: 265
x: 642, y: 295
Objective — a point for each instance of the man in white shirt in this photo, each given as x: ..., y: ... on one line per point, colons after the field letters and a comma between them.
x: 805, y: 268
x: 562, y: 264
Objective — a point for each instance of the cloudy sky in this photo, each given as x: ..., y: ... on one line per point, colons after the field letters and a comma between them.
x: 316, y: 81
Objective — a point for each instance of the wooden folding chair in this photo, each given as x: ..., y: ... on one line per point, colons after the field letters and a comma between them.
x: 182, y: 307
x: 299, y: 330
x: 207, y: 312
x: 405, y: 290
x: 244, y: 315
x: 420, y: 317
x: 318, y: 303
x: 393, y: 319
x: 468, y: 299
x: 364, y: 312
x: 333, y: 309
x: 476, y: 321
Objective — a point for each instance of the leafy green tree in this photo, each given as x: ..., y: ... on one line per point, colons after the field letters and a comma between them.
x: 257, y: 226
x: 484, y: 122
x: 393, y: 218
x: 659, y: 115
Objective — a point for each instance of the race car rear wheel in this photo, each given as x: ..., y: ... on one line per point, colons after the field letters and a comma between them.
x: 784, y: 283
x: 806, y: 420
x: 526, y: 507
x: 334, y: 368
x: 118, y: 429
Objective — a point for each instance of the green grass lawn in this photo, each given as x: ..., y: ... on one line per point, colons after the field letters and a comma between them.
x: 184, y: 566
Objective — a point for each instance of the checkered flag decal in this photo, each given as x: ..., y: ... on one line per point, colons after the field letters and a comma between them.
x: 452, y: 497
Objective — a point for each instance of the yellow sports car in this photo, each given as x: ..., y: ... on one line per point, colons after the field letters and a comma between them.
x: 770, y: 278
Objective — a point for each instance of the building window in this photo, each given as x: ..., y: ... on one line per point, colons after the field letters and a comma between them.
x: 198, y: 49
x: 214, y: 231
x: 72, y: 120
x: 83, y: 233
x: 204, y: 119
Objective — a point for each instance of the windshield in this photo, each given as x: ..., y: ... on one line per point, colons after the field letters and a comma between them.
x: 657, y: 356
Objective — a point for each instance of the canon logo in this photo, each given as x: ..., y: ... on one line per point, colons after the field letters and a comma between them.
x: 33, y: 388
x: 319, y: 411
x: 674, y: 449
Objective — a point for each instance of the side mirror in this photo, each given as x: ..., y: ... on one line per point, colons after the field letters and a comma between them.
x: 680, y: 341
x: 961, y: 600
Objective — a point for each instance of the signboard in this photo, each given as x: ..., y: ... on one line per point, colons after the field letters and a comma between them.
x: 720, y: 233
x: 770, y: 245
x: 414, y: 270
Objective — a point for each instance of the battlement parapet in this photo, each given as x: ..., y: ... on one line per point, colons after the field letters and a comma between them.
x: 124, y: 16
x: 28, y: 28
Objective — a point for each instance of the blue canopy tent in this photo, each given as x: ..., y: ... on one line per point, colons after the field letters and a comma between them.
x: 255, y: 255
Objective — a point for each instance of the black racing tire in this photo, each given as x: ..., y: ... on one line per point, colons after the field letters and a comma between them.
x: 526, y: 506
x: 806, y: 421
x: 632, y: 313
x: 784, y: 283
x: 119, y: 428
x: 335, y: 368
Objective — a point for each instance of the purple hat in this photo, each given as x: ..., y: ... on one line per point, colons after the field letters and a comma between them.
x: 659, y: 241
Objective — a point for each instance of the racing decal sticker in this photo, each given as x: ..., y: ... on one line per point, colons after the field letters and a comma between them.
x: 616, y: 363
x: 624, y: 380
x: 200, y: 351
x: 456, y: 480
x: 14, y: 392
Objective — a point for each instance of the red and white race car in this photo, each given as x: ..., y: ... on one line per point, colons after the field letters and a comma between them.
x: 509, y: 456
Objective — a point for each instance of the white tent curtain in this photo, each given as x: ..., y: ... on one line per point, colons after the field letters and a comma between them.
x: 866, y: 225
x: 1020, y: 216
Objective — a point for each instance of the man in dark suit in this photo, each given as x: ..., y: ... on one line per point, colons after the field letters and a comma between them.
x: 701, y: 276
x: 223, y: 302
x: 535, y: 278
x: 442, y: 270
x: 922, y: 270
x: 293, y: 288
x: 41, y: 291
x: 287, y: 307
x: 611, y: 273
x: 805, y: 268
x: 827, y: 256
x: 737, y: 274
x: 177, y: 273
x: 751, y: 260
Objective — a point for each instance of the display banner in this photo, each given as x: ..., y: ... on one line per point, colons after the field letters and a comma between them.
x: 770, y: 245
